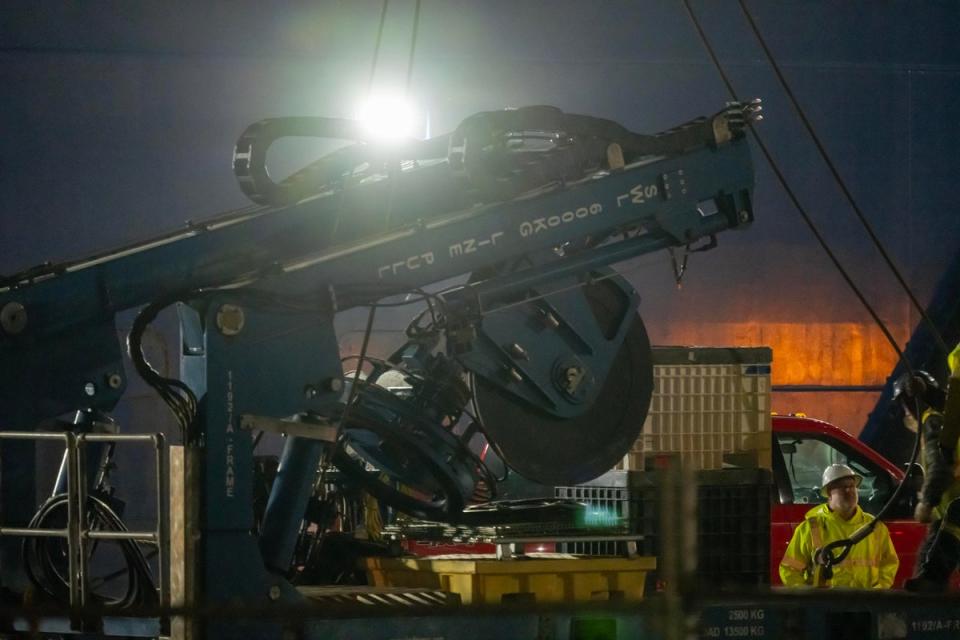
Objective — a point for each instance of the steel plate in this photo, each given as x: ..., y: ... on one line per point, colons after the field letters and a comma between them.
x: 559, y: 451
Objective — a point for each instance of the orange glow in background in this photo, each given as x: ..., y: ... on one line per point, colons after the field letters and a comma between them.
x: 835, y: 353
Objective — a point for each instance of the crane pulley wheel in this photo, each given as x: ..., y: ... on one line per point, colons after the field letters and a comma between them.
x: 561, y: 451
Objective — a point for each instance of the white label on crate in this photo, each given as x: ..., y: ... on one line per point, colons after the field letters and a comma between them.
x: 741, y: 623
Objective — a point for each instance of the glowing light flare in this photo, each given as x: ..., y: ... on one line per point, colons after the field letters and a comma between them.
x: 388, y: 117
x: 601, y: 517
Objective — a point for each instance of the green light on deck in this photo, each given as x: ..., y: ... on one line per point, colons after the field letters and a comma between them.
x: 600, y: 517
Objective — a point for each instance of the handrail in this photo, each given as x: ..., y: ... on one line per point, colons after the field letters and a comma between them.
x: 77, y: 532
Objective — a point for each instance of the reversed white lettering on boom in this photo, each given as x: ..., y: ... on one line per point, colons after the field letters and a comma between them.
x: 639, y: 194
x: 538, y: 225
x: 230, y: 479
x: 472, y: 245
x: 409, y: 264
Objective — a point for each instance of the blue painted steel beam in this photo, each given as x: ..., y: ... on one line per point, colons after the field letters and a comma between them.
x: 884, y: 430
x: 69, y: 339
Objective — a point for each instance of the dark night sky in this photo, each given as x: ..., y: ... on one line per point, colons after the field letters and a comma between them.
x: 119, y: 118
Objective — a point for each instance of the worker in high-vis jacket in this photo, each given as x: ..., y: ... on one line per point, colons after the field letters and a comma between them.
x: 871, y: 563
x: 938, y: 415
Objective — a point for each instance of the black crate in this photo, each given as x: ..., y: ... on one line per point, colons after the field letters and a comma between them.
x: 733, y: 520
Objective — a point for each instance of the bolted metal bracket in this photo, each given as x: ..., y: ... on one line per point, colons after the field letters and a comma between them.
x: 230, y: 319
x: 317, y: 430
x: 13, y: 318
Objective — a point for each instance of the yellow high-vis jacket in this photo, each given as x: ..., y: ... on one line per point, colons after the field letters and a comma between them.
x: 871, y: 564
x: 941, y: 484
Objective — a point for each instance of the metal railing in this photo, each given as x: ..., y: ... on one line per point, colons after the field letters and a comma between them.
x: 78, y: 532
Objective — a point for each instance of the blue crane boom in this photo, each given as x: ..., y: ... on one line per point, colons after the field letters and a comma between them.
x: 533, y: 205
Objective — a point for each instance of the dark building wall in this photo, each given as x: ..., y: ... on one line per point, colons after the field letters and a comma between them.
x: 118, y: 121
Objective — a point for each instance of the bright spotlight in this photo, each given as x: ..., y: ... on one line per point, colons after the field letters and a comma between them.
x: 388, y: 117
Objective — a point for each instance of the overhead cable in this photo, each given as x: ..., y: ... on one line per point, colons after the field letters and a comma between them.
x: 834, y: 552
x: 842, y: 184
x: 376, y: 45
x: 793, y: 197
x: 413, y: 44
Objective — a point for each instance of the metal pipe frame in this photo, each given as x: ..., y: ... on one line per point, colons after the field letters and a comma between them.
x: 77, y: 533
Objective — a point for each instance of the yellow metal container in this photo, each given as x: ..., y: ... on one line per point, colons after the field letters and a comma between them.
x: 482, y: 579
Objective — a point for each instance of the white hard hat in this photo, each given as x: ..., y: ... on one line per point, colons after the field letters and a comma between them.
x: 836, y: 472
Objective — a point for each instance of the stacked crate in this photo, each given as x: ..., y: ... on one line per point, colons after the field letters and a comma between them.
x: 733, y: 527
x: 710, y: 411
x: 732, y: 521
x: 710, y: 407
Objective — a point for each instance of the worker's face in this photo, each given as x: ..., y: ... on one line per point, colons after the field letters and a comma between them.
x: 909, y: 421
x: 842, y: 496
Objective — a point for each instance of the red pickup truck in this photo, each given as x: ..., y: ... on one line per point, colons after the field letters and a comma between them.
x: 802, y: 448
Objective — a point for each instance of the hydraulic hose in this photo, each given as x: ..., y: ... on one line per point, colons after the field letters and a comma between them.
x: 44, y: 559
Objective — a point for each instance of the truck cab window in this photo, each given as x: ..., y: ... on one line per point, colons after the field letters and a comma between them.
x: 805, y: 458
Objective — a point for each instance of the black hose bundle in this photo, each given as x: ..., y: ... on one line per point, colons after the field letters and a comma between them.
x: 176, y: 394
x: 46, y: 561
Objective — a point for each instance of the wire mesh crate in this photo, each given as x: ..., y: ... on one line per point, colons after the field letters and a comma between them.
x: 710, y: 406
x: 732, y: 522
x: 605, y: 504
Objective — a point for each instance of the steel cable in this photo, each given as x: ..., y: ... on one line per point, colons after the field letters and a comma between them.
x: 793, y: 197
x: 841, y: 183
x: 826, y: 554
